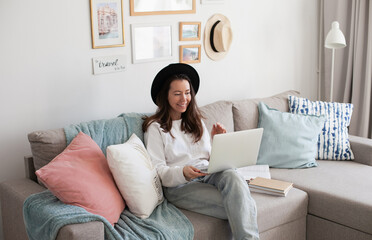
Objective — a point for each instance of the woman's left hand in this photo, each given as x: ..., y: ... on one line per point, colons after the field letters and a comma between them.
x: 191, y: 172
x: 218, y: 128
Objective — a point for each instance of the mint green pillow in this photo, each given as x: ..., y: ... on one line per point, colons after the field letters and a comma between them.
x: 289, y: 140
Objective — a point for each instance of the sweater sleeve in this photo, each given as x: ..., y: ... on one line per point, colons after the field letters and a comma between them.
x: 170, y: 176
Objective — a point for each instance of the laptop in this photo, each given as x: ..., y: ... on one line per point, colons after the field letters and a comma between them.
x: 234, y: 150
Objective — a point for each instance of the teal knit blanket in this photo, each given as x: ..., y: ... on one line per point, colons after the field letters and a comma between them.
x: 108, y: 132
x: 44, y: 214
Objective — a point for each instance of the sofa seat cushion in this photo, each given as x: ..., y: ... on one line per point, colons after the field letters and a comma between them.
x: 338, y: 191
x: 273, y: 211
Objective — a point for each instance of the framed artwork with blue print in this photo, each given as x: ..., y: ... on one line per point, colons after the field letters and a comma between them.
x: 333, y: 141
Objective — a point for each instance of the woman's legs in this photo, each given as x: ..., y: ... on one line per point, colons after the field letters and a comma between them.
x: 240, y: 207
x: 226, y: 194
x: 197, y: 197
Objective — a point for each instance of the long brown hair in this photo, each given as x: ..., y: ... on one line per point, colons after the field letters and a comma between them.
x: 191, y: 118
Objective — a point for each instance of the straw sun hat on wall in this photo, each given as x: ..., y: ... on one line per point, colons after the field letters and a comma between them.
x: 217, y: 37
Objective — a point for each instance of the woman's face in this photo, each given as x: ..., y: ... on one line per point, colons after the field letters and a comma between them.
x: 179, y: 97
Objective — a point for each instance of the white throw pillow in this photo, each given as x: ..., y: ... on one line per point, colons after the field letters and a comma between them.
x: 135, y: 176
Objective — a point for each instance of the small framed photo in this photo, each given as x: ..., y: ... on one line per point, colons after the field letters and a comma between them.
x: 190, y: 31
x: 190, y: 53
x: 151, y: 42
x: 107, y: 23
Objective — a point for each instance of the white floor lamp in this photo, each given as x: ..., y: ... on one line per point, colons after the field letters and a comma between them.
x: 335, y: 39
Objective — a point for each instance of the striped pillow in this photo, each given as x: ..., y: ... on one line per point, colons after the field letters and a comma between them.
x: 333, y: 141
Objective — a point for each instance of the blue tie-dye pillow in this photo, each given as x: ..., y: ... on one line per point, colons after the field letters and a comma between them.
x: 333, y: 141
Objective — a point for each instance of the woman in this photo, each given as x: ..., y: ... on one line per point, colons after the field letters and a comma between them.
x: 179, y: 145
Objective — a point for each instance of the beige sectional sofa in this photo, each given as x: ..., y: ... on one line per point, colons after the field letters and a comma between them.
x: 331, y: 201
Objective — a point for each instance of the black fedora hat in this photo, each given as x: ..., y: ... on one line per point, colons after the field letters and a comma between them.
x: 173, y: 69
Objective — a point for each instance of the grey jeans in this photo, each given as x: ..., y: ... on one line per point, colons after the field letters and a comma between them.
x: 223, y: 195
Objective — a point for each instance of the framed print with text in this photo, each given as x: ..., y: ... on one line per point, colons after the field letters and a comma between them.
x: 107, y: 23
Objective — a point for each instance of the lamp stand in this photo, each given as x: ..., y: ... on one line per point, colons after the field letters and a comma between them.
x: 333, y: 66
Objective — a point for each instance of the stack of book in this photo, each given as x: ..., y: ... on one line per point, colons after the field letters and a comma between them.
x: 270, y: 186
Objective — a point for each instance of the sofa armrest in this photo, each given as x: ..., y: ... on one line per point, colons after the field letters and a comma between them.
x: 12, y: 195
x: 362, y: 149
x: 30, y: 168
x: 83, y: 231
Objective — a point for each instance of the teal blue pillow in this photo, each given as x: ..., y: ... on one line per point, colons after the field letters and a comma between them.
x: 289, y: 140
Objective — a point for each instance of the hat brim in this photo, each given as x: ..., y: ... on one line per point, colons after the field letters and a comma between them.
x: 207, y: 31
x: 172, y: 69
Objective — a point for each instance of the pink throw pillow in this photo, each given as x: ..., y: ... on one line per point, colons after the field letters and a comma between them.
x: 80, y: 176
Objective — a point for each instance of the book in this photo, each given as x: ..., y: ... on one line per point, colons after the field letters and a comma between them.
x: 254, y: 171
x: 270, y: 186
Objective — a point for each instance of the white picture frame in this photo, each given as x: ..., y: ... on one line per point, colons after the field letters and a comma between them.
x: 152, y: 42
x: 159, y: 7
x: 212, y: 1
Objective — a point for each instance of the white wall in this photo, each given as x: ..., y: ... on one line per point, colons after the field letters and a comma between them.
x: 46, y: 67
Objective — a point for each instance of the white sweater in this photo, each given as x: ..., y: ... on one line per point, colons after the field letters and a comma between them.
x: 169, y: 155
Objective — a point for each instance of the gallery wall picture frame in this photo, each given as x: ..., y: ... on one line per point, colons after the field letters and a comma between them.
x: 159, y: 7
x: 107, y: 23
x: 212, y: 1
x: 152, y: 42
x: 190, y: 53
x: 190, y: 31
x: 109, y: 64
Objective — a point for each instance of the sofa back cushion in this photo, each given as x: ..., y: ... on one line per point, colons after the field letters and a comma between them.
x: 221, y: 112
x: 237, y: 115
x: 245, y: 112
x: 46, y: 145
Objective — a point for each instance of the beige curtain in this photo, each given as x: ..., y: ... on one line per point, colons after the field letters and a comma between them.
x: 353, y: 64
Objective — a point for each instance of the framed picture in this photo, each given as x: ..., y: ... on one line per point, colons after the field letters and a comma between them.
x: 107, y: 23
x: 190, y: 31
x: 190, y: 53
x: 211, y: 1
x: 156, y: 7
x: 151, y: 42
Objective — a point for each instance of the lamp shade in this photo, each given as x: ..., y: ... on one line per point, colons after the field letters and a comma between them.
x: 335, y: 38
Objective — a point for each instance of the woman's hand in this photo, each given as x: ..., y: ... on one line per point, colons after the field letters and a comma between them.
x: 191, y: 172
x: 218, y: 128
